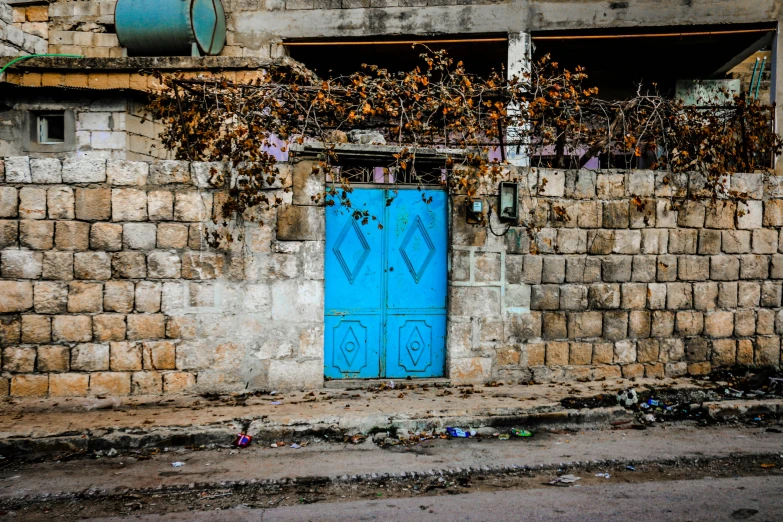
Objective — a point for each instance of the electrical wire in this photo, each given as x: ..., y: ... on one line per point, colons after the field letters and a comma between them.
x: 489, y: 221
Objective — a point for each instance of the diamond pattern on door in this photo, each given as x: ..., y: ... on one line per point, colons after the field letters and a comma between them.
x: 351, y: 339
x: 351, y: 249
x: 417, y: 249
x: 416, y: 353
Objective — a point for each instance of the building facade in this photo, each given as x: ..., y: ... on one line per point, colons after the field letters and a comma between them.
x: 107, y: 285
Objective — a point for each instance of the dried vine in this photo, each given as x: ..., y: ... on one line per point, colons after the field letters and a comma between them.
x: 550, y: 114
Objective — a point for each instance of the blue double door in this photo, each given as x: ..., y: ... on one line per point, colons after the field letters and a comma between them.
x: 386, y: 285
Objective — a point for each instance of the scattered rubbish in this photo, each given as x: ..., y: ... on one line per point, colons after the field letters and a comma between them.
x: 603, y: 475
x: 472, y: 432
x: 275, y: 403
x: 243, y: 440
x: 457, y: 432
x: 767, y: 465
x: 273, y: 392
x: 111, y: 453
x: 391, y: 385
x: 564, y: 480
x: 630, y: 468
x: 649, y: 417
x: 627, y: 398
x: 519, y: 432
x: 733, y: 393
x: 295, y: 445
x: 177, y: 464
x: 273, y: 445
x: 504, y: 436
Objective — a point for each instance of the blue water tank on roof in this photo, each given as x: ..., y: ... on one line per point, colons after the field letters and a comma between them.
x: 170, y: 27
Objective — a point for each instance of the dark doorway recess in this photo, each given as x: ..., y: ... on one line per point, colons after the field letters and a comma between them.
x: 480, y: 53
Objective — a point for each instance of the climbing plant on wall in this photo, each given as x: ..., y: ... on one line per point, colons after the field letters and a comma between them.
x: 551, y: 113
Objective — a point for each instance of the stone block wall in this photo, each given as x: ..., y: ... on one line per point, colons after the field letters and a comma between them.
x: 23, y: 30
x: 627, y: 274
x: 107, y: 286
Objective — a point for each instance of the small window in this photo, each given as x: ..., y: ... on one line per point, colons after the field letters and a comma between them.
x: 51, y: 128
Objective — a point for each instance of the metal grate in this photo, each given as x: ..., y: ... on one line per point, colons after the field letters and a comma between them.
x: 394, y: 175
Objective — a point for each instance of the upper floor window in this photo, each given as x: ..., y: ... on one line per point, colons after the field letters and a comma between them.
x: 51, y: 127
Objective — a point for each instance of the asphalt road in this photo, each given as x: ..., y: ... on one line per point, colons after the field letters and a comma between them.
x: 742, y: 498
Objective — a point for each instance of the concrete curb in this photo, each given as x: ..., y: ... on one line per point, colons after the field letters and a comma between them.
x: 335, y: 429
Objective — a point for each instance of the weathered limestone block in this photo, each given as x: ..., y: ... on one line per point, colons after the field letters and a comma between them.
x: 129, y: 265
x: 724, y: 352
x: 146, y: 383
x: 163, y: 265
x: 705, y: 296
x: 709, y: 242
x: 764, y: 241
x: 580, y: 184
x: 118, y: 296
x: 545, y: 297
x: 615, y: 325
x: 647, y: 350
x: 169, y: 172
x: 524, y: 269
x: 93, y: 204
x: 124, y: 356
x: 29, y: 385
x: 665, y: 215
x: 9, y: 202
x: 745, y: 323
x: 616, y: 269
x: 609, y: 186
x: 128, y: 205
x: 683, y: 241
x: 748, y: 184
x: 523, y: 327
x: 745, y: 352
x: 127, y: 173
x: 748, y: 294
x: 202, y: 265
x: 302, y: 223
x: 146, y: 326
x: 557, y: 353
x: 720, y: 214
x: 754, y: 267
x: 305, y: 300
x: 749, y: 215
x: 770, y: 294
x: 139, y: 236
x: 662, y: 323
x: 50, y: 297
x: 719, y: 324
x: 106, y: 236
x: 724, y: 268
x: 554, y: 325
x: 17, y: 169
x: 17, y: 296
x: 551, y: 183
x: 309, y: 183
x: 693, y: 268
x: 178, y: 382
x: 518, y: 296
x: 768, y: 351
x: 616, y: 214
x: 634, y: 296
x: 172, y: 235
x: 583, y: 269
x: 192, y: 206
x: 160, y: 204
x: 765, y: 322
x: 92, y: 265
x: 159, y: 355
x: 656, y: 296
x: 692, y: 214
x: 77, y: 170
x: 572, y: 297
x: 46, y: 170
x: 624, y: 352
x: 148, y: 296
x: 487, y: 266
x: 773, y: 213
x: 32, y: 203
x: 110, y: 383
x: 735, y: 241
x: 22, y: 264
x: 36, y: 329
x: 585, y: 325
x: 53, y: 358
x: 19, y: 359
x: 108, y: 327
x: 85, y: 297
x: 90, y: 357
x: 61, y: 203
x: 208, y: 174
x: 697, y: 349
x: 604, y: 296
x: 72, y: 235
x: 639, y: 324
x: 68, y: 384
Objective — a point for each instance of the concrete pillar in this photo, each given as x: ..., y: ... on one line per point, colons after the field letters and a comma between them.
x: 519, y: 63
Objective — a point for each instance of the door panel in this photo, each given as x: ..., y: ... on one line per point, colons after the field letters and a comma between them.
x: 386, y: 288
x: 354, y: 289
x: 415, y: 345
x: 417, y: 250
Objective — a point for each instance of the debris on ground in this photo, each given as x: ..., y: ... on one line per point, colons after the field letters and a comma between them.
x: 564, y: 480
x: 603, y: 475
x: 243, y: 440
x: 177, y: 464
x: 519, y: 432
